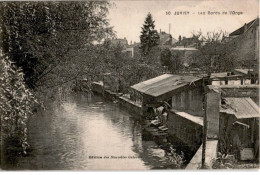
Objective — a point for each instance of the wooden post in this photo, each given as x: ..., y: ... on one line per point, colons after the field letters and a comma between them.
x: 205, y: 131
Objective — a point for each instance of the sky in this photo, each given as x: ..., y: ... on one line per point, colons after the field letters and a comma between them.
x: 127, y: 17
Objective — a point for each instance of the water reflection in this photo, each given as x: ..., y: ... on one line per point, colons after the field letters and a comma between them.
x: 69, y: 136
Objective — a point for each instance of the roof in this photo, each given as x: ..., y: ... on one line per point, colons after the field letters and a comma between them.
x: 184, y: 48
x: 223, y: 75
x: 162, y: 84
x: 195, y: 119
x: 243, y: 29
x: 242, y: 107
x: 165, y: 38
x: 243, y: 71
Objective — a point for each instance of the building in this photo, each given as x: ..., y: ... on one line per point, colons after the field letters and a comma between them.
x: 232, y: 114
x: 185, y: 96
x: 246, y: 42
x: 176, y: 90
x: 129, y: 51
x: 192, y: 42
x: 239, y: 124
x: 166, y: 39
x: 250, y: 74
x: 236, y: 77
x: 230, y: 110
x: 118, y: 41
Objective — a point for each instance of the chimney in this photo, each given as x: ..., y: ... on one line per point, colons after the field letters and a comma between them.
x: 160, y: 30
x: 245, y: 27
x: 170, y: 28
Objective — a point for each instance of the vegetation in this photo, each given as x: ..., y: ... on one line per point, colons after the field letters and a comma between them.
x: 171, y: 60
x: 176, y: 159
x: 227, y: 161
x: 149, y: 36
x: 43, y: 37
x: 215, y: 55
x: 52, y: 45
x: 123, y: 70
x: 16, y: 104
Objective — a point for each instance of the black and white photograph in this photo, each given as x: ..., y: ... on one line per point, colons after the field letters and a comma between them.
x: 129, y: 85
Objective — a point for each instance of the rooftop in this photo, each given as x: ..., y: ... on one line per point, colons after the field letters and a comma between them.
x: 184, y: 48
x: 245, y: 27
x: 222, y: 75
x: 162, y: 84
x: 243, y: 71
x: 242, y: 107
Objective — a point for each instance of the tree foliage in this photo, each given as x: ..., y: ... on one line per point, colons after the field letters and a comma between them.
x: 166, y: 57
x: 215, y: 55
x: 16, y: 103
x: 171, y: 60
x: 51, y: 45
x: 149, y: 36
x: 123, y: 71
x: 40, y: 36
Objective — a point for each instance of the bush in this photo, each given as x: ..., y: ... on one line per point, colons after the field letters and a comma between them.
x: 16, y: 104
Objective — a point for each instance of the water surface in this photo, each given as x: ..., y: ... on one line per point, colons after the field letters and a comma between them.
x: 87, y: 133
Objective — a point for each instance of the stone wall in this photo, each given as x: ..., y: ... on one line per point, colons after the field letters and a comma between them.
x: 187, y: 128
x: 190, y: 101
x: 131, y: 106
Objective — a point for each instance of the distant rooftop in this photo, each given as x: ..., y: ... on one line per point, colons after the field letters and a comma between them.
x: 245, y: 27
x: 223, y: 74
x: 162, y: 84
x: 244, y: 71
x: 184, y: 48
x: 242, y: 108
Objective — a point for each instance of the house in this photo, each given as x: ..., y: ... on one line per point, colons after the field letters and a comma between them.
x: 192, y: 42
x: 251, y: 74
x: 118, y: 41
x: 245, y: 41
x: 166, y: 39
x: 244, y: 28
x: 236, y: 77
x: 129, y: 51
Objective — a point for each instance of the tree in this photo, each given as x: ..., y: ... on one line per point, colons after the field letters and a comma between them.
x: 149, y: 36
x: 16, y: 106
x: 215, y: 55
x: 166, y: 57
x: 51, y: 45
x: 43, y: 37
x: 179, y: 38
x: 171, y: 60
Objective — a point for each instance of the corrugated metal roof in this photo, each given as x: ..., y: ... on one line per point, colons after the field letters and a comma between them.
x: 242, y: 107
x: 163, y: 84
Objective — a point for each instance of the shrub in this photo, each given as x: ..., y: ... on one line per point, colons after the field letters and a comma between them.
x: 16, y: 104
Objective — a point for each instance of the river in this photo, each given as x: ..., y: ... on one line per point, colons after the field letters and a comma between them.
x: 88, y: 133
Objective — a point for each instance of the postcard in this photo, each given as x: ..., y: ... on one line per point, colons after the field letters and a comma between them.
x: 129, y: 85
